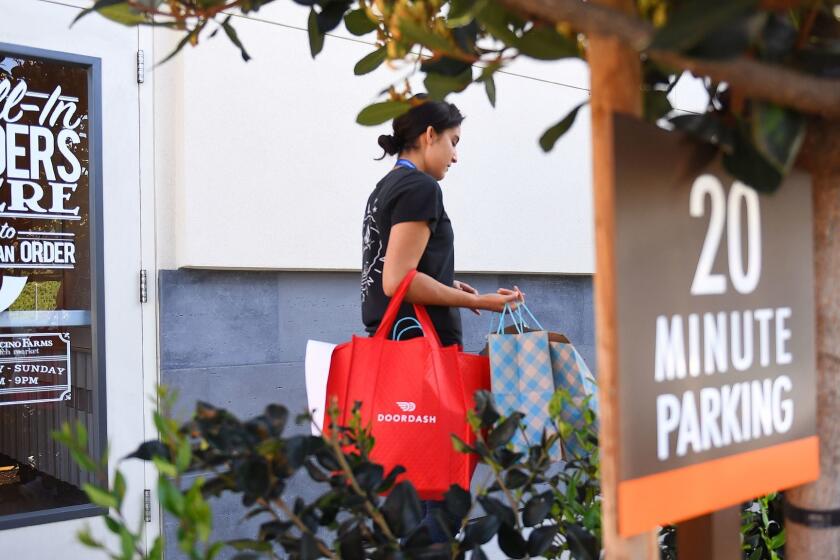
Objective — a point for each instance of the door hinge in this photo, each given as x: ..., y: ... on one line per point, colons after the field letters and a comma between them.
x: 144, y: 292
x: 141, y: 67
x: 147, y: 506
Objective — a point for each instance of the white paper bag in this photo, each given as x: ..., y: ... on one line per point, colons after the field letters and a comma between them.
x: 317, y: 371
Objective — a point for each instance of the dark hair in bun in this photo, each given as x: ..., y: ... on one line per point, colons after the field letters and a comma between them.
x: 440, y: 115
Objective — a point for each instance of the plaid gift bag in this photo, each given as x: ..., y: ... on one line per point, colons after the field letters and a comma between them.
x: 521, y: 380
x: 571, y: 373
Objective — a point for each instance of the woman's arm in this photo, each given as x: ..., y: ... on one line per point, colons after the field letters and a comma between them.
x: 405, y: 248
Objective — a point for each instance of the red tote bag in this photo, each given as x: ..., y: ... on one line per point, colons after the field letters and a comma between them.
x: 414, y: 394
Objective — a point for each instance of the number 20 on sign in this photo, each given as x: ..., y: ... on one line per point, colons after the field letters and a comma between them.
x: 716, y: 364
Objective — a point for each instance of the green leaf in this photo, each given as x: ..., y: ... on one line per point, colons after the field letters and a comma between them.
x: 496, y: 19
x: 553, y: 134
x: 515, y: 478
x: 537, y: 508
x: 198, y: 510
x: 371, y: 62
x: 156, y: 553
x: 164, y: 467
x: 234, y: 38
x: 391, y: 478
x: 490, y: 89
x: 416, y: 33
x: 540, y: 540
x: 87, y: 539
x: 369, y: 476
x: 316, y: 38
x: 379, y: 113
x: 582, y: 544
x: 481, y: 530
x: 459, y: 445
x: 250, y: 544
x: 512, y: 543
x: 84, y: 460
x: 505, y: 431
x: 214, y: 550
x: 115, y: 10
x: 112, y: 524
x: 485, y: 408
x: 119, y: 487
x: 696, y: 19
x: 460, y: 12
x: 127, y: 542
x: 656, y: 105
x: 81, y: 435
x: 358, y: 23
x: 445, y: 65
x: 497, y: 509
x: 184, y: 457
x: 124, y: 14
x: 457, y: 501
x: 777, y: 134
x: 170, y: 497
x: 100, y: 497
x: 749, y: 166
x: 149, y: 449
x: 778, y: 541
x: 181, y: 44
x: 98, y: 5
x: 545, y: 43
x: 402, y: 509
x: 706, y: 127
x: 439, y: 86
x: 309, y: 547
x: 331, y: 15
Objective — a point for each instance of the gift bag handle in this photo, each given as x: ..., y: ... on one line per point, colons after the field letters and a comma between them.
x: 393, y: 309
x: 515, y: 314
x: 396, y: 336
x: 519, y: 309
x: 501, y: 328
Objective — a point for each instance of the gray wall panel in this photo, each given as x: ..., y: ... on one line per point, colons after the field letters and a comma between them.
x: 237, y: 340
x: 210, y: 318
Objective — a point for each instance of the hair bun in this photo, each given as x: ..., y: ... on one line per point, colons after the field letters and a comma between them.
x: 390, y: 144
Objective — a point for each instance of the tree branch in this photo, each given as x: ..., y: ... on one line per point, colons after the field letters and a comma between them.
x: 755, y: 79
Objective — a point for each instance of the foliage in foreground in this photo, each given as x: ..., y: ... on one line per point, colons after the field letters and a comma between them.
x: 531, y: 507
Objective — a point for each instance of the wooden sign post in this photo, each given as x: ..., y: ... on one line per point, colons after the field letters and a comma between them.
x: 615, y: 77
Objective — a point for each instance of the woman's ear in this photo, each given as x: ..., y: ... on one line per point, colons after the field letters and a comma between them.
x: 430, y: 134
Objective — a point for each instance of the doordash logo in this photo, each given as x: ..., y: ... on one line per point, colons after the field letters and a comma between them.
x: 406, y: 406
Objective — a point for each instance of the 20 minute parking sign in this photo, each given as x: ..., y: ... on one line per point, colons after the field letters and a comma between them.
x: 716, y: 355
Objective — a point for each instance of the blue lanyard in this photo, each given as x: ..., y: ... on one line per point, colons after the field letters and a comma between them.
x: 405, y: 163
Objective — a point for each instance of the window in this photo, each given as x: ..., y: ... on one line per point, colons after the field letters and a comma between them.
x: 51, y: 329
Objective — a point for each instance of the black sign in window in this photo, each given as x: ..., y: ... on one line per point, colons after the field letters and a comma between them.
x: 51, y: 351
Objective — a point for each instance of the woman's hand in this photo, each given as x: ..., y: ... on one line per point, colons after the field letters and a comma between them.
x: 464, y: 287
x: 496, y: 302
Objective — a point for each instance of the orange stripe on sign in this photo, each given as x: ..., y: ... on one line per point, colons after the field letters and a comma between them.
x: 679, y: 494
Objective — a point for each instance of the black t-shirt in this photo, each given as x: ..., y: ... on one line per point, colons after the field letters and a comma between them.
x: 408, y: 195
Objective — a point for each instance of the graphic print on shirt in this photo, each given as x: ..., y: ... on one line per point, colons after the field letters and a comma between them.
x: 372, y: 248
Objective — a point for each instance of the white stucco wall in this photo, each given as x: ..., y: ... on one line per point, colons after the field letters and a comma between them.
x: 261, y: 165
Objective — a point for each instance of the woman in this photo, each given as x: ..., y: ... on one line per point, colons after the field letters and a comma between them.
x: 406, y: 227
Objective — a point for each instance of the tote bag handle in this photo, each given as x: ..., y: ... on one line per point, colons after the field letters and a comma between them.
x: 393, y: 309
